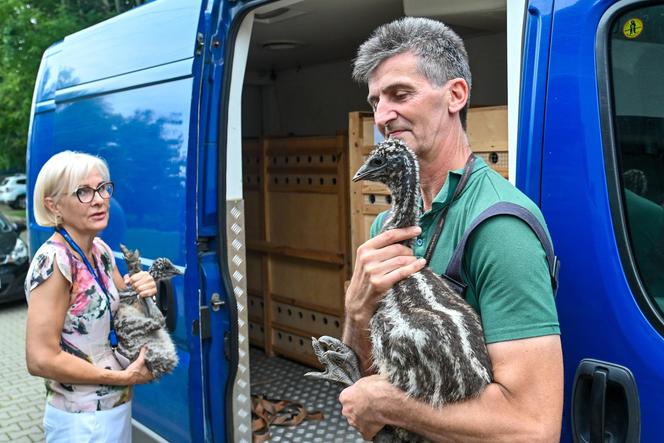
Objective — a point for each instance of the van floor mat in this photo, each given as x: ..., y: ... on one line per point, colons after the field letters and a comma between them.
x: 282, y: 379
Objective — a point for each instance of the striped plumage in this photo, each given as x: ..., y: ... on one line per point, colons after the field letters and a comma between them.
x: 426, y: 339
x: 138, y: 321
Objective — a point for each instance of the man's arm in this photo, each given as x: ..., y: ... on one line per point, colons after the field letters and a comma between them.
x: 524, y: 402
x: 379, y: 264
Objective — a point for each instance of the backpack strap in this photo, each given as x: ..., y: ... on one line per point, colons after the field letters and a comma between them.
x: 505, y: 208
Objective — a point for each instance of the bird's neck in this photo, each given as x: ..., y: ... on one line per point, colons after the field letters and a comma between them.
x: 405, y: 200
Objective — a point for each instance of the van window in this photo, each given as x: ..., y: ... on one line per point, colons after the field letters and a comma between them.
x: 636, y: 53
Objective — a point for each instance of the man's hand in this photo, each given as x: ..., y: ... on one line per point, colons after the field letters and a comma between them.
x: 380, y: 263
x: 361, y: 401
x: 143, y: 283
x: 523, y: 404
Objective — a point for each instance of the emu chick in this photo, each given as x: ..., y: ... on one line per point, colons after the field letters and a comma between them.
x: 138, y: 322
x: 426, y: 339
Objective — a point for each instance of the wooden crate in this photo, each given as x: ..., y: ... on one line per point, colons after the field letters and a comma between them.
x: 298, y: 259
x: 487, y: 131
x: 367, y: 199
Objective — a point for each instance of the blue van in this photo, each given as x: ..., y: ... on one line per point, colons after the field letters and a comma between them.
x: 225, y: 126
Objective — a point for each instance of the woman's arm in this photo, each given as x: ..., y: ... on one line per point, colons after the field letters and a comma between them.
x: 119, y: 282
x: 47, y: 309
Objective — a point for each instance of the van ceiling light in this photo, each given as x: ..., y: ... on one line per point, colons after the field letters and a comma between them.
x: 281, y: 45
x: 271, y: 14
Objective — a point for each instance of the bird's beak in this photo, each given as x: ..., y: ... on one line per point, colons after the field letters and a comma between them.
x: 366, y: 171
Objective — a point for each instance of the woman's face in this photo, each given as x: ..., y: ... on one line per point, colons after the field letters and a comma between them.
x: 85, y: 218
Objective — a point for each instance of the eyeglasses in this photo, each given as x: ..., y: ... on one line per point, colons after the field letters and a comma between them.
x: 86, y: 194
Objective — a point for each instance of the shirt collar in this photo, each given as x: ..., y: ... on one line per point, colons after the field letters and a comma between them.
x: 445, y: 194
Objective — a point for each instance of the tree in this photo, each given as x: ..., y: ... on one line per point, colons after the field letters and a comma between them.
x: 27, y: 28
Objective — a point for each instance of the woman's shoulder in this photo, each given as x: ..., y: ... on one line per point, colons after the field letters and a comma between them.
x: 42, y: 265
x: 105, y: 254
x: 102, y: 246
x: 52, y: 251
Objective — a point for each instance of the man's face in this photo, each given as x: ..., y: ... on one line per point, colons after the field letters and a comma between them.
x: 407, y: 106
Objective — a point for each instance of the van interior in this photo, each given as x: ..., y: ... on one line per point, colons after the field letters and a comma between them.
x: 304, y: 125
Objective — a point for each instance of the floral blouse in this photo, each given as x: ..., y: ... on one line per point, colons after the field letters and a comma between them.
x: 86, y: 326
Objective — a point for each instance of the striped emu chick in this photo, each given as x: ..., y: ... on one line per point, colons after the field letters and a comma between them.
x: 426, y: 339
x: 138, y: 322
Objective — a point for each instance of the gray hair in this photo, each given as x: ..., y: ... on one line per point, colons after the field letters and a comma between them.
x: 441, y: 53
x: 60, y: 175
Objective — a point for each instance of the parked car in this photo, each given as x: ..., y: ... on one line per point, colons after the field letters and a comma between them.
x: 13, y: 260
x: 12, y: 191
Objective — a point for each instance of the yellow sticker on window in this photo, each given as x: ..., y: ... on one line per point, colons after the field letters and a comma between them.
x: 632, y: 28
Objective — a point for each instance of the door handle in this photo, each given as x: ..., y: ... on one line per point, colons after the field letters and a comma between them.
x: 598, y: 405
x: 605, y: 404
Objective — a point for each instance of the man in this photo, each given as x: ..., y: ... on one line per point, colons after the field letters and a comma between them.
x: 419, y: 86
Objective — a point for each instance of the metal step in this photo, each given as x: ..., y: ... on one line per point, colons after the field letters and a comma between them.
x: 281, y: 379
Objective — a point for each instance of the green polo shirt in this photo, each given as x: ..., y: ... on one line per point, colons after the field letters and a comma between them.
x: 504, y: 264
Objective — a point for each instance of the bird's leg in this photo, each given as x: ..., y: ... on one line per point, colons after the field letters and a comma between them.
x: 132, y: 259
x: 340, y: 362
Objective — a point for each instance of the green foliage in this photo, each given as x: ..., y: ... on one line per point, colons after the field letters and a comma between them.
x: 27, y: 28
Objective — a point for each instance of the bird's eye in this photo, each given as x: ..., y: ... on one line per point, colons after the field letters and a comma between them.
x: 375, y: 162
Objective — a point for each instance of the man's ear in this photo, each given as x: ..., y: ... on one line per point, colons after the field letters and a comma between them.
x: 458, y: 95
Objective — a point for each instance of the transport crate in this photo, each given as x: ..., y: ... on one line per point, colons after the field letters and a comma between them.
x: 295, y: 191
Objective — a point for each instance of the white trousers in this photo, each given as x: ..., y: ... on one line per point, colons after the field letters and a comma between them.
x: 113, y: 425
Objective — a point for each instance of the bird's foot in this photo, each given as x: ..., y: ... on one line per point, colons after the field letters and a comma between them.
x: 340, y: 362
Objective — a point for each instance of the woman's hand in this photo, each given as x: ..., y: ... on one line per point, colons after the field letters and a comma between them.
x: 142, y: 283
x: 137, y: 372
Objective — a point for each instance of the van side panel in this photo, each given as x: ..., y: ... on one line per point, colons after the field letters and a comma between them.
x: 151, y: 35
x: 143, y: 135
x: 128, y: 90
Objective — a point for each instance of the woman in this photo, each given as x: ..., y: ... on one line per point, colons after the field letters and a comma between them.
x: 71, y: 283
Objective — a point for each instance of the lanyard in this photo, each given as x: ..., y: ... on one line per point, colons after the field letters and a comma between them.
x: 112, y: 337
x: 467, y: 170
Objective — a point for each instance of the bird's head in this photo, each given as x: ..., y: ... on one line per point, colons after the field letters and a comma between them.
x: 162, y: 268
x: 390, y: 163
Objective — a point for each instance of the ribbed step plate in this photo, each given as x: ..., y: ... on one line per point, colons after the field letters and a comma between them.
x: 280, y: 379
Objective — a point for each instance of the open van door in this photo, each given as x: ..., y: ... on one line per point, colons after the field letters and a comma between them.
x: 593, y: 122
x: 133, y: 90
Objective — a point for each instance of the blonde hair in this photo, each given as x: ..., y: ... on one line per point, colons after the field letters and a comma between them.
x: 60, y: 175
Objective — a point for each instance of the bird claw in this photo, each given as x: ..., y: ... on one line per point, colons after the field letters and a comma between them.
x: 340, y: 362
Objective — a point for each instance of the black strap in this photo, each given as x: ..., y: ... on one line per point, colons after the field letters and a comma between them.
x: 505, y: 208
x: 467, y: 170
